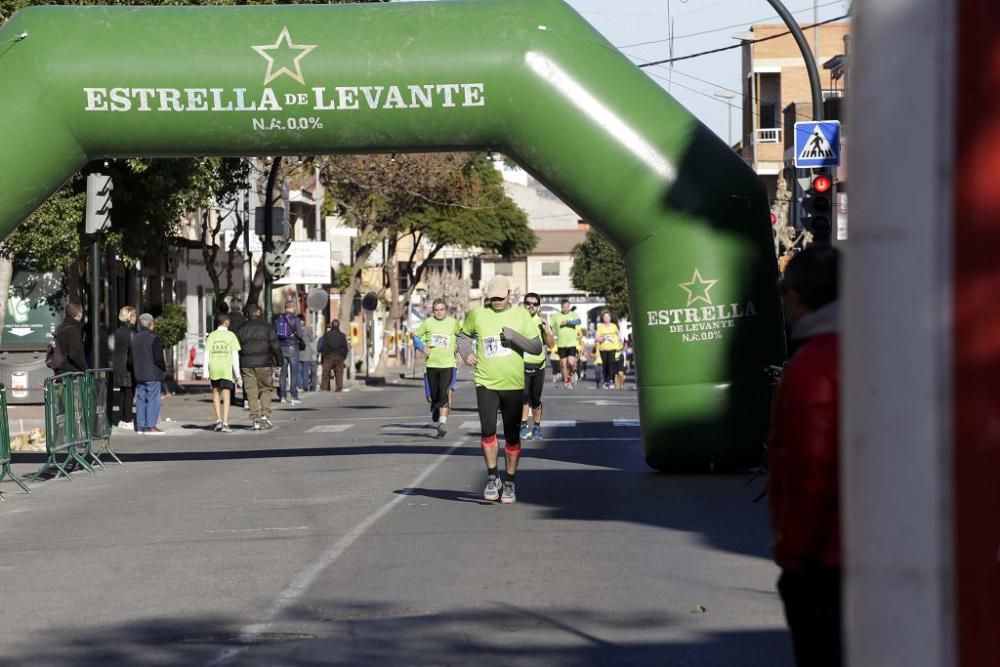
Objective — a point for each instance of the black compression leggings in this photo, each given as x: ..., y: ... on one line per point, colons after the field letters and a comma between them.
x: 533, y: 385
x: 509, y: 402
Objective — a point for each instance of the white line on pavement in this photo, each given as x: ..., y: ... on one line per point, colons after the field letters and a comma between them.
x: 626, y: 422
x: 249, y: 634
x: 329, y: 428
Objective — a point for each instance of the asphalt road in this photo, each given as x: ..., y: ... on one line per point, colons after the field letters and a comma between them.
x: 350, y: 535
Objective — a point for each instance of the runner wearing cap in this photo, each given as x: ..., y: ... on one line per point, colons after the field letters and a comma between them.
x: 494, y: 339
x: 534, y: 372
x: 436, y: 338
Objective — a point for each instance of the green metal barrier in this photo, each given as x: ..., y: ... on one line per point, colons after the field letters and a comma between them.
x: 5, y: 470
x: 65, y: 430
x: 98, y: 422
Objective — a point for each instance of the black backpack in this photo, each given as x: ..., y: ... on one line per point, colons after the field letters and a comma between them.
x: 54, y: 357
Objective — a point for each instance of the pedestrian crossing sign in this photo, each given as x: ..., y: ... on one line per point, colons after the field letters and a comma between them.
x: 817, y: 144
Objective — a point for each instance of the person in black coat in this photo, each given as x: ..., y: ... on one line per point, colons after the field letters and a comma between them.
x: 120, y: 374
x: 236, y: 318
x: 69, y: 338
x: 260, y: 352
x: 333, y: 348
x: 149, y: 369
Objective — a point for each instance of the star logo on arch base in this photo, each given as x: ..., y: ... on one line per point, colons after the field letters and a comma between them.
x: 284, y: 59
x: 697, y: 289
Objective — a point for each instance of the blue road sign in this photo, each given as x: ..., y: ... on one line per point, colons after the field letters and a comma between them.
x: 817, y: 144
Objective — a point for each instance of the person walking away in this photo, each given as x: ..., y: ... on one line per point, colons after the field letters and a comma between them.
x: 307, y: 357
x: 222, y: 368
x: 149, y: 370
x: 120, y: 375
x: 68, y: 338
x: 236, y: 317
x: 803, y: 460
x: 289, y: 332
x: 333, y: 348
x: 609, y: 345
x: 437, y: 337
x: 494, y: 339
x: 260, y: 352
x: 534, y: 372
x: 564, y: 324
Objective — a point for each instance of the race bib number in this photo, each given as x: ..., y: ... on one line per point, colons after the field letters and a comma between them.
x: 440, y: 340
x: 492, y: 348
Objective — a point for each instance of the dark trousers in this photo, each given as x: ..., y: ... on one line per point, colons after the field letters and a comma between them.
x: 289, y: 378
x: 509, y: 403
x: 124, y: 400
x: 812, y: 609
x: 336, y: 365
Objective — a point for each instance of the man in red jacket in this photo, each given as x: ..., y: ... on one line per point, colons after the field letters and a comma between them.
x: 802, y: 467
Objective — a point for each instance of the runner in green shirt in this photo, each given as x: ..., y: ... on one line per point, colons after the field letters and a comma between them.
x: 222, y: 368
x: 437, y: 337
x: 494, y: 339
x: 534, y: 372
x: 565, y: 324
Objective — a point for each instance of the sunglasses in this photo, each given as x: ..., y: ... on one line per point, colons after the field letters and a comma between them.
x: 531, y: 303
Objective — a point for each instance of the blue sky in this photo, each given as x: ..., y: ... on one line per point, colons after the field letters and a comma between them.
x: 699, y: 25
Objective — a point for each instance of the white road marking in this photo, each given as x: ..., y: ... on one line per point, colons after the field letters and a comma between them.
x: 301, y: 583
x: 556, y: 423
x: 626, y: 422
x: 329, y: 428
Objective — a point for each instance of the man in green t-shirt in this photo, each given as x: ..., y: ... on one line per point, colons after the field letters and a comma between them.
x: 437, y: 337
x: 222, y: 368
x: 534, y: 371
x: 494, y: 339
x: 565, y: 324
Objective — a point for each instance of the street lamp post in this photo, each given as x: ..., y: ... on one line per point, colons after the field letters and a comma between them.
x: 729, y: 113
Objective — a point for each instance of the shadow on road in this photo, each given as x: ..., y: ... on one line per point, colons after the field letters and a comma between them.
x: 365, y: 633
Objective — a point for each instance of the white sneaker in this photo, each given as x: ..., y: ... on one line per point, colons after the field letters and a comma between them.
x: 492, y: 490
x: 129, y: 425
x: 225, y: 428
x: 508, y: 495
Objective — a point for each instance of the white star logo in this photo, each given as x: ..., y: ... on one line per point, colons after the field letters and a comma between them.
x: 698, y: 288
x: 284, y: 51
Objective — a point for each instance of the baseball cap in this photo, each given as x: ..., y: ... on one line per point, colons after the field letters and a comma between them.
x: 497, y: 288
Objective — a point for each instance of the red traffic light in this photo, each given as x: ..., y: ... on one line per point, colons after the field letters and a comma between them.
x: 822, y: 184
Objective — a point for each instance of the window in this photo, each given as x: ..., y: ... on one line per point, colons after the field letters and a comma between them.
x: 504, y: 269
x: 550, y: 268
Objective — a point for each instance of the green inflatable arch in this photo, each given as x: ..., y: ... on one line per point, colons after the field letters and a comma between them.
x: 529, y: 78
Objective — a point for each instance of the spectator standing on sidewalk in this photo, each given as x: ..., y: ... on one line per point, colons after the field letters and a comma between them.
x: 149, y: 370
x: 289, y: 332
x: 307, y: 357
x: 333, y: 348
x: 803, y: 460
x: 68, y: 337
x: 120, y: 375
x: 260, y: 352
x: 222, y: 368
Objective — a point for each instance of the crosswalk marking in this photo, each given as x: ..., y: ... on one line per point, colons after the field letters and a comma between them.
x: 329, y: 428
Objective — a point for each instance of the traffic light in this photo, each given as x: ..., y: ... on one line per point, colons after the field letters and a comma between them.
x: 98, y: 217
x: 276, y: 259
x: 817, y: 206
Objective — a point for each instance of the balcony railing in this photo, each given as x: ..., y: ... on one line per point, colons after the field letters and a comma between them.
x: 767, y: 135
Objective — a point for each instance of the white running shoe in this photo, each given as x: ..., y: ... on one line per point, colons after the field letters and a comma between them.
x: 508, y: 495
x: 225, y: 429
x: 492, y: 490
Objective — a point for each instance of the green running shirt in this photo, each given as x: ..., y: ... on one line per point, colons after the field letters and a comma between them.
x: 441, y: 339
x: 565, y: 336
x: 219, y: 346
x: 536, y: 358
x: 500, y: 368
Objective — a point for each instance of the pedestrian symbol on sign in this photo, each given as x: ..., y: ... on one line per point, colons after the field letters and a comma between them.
x: 817, y: 144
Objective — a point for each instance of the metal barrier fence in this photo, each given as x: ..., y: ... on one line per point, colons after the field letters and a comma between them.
x: 5, y: 470
x: 76, y: 419
x: 98, y: 421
